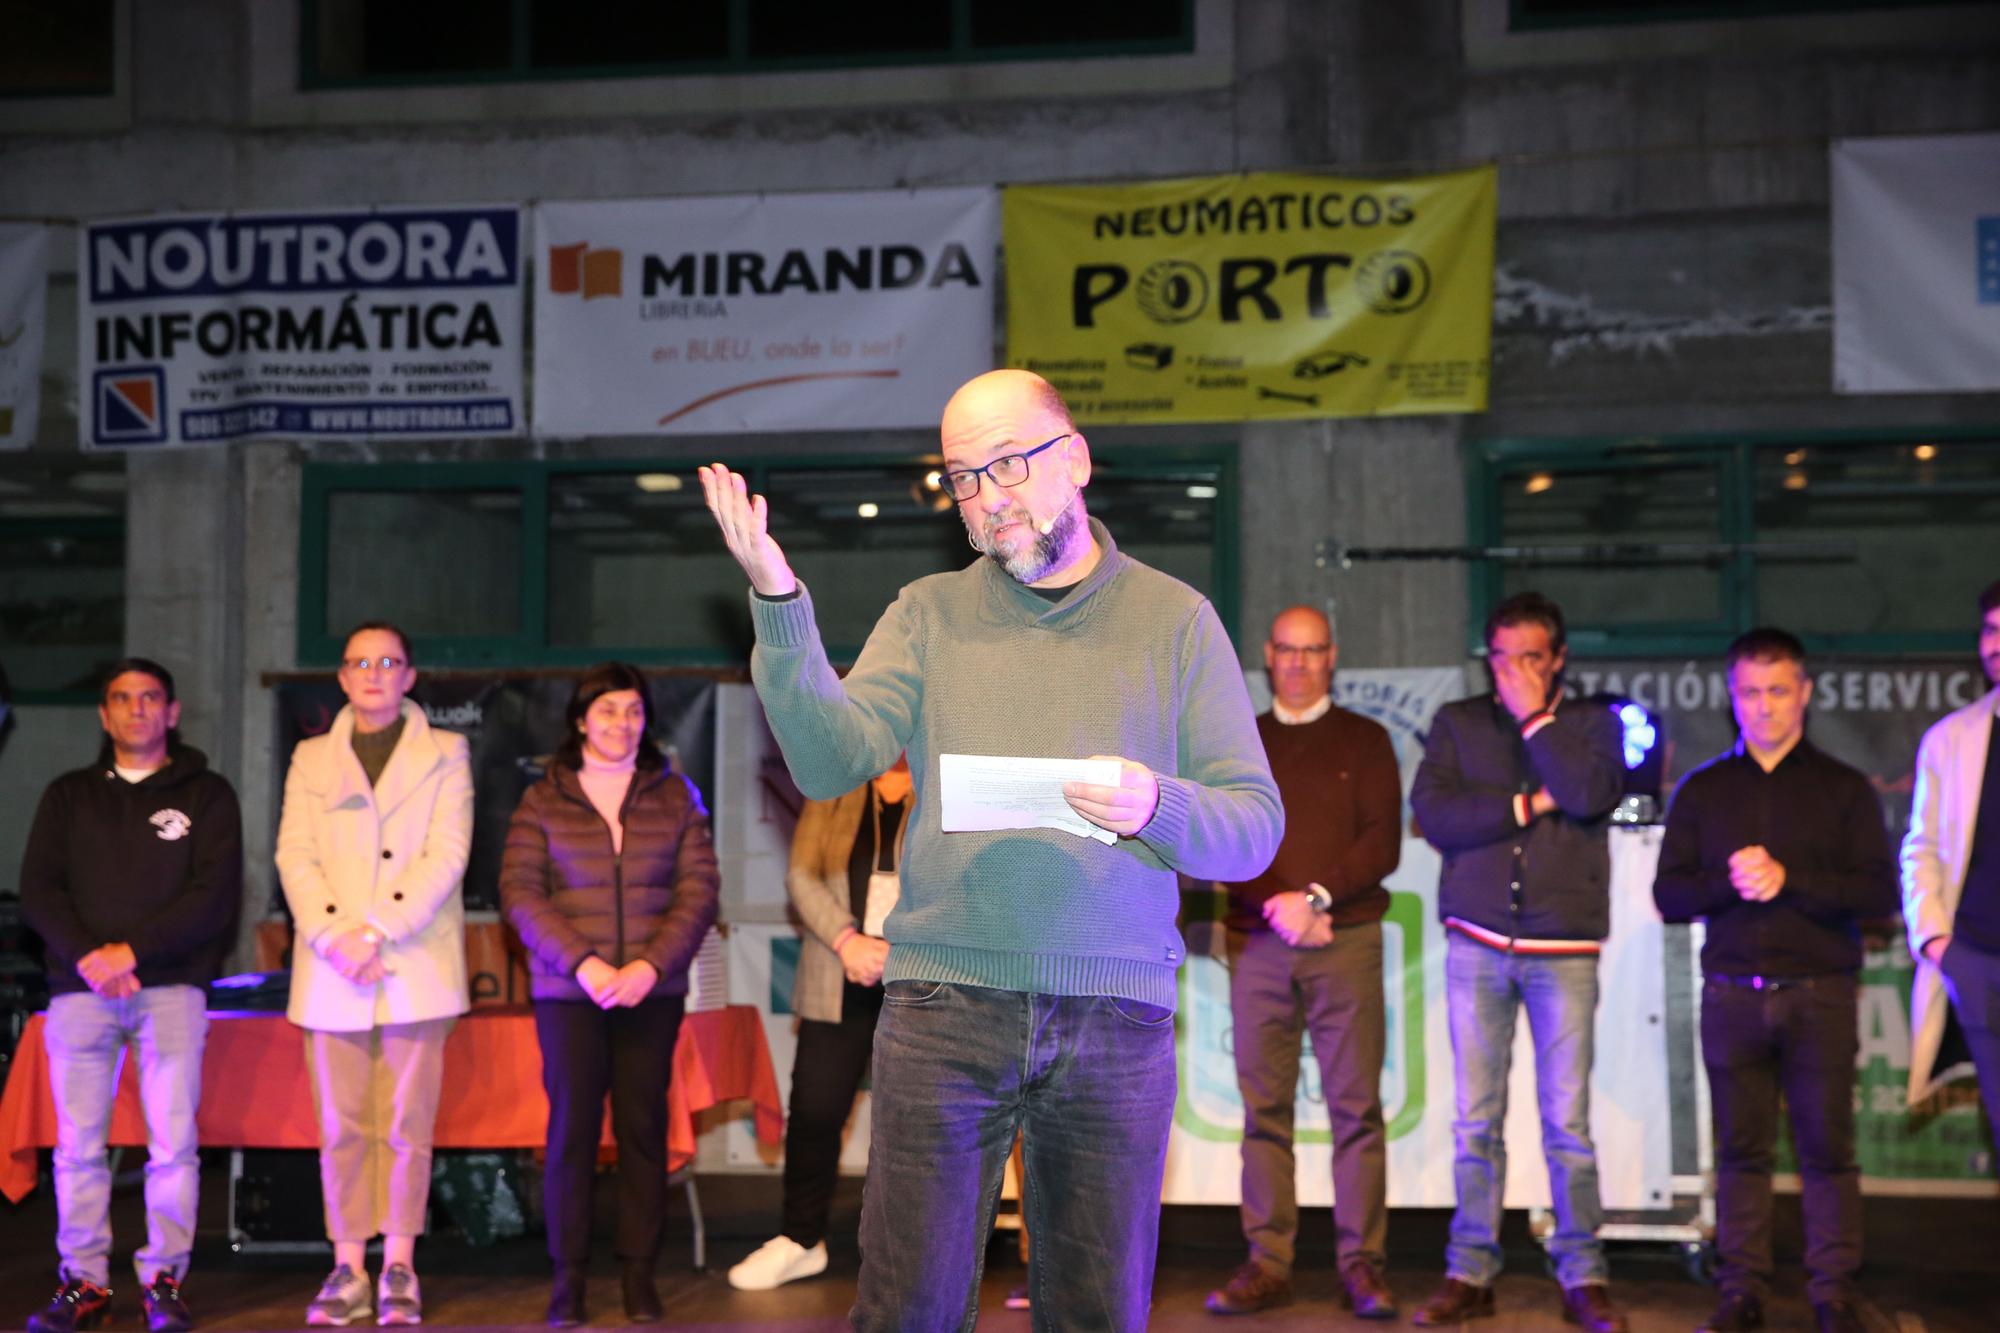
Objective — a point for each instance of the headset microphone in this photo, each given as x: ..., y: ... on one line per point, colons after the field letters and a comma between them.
x: 1048, y: 525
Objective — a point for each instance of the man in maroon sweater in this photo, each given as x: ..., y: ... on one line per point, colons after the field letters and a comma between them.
x: 1305, y: 948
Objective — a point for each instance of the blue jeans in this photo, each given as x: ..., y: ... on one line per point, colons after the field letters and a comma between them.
x: 1484, y: 988
x: 85, y: 1036
x: 1090, y: 1082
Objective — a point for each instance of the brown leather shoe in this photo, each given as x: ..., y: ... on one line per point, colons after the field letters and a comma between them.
x: 1250, y: 1288
x: 1364, y: 1292
x: 1589, y: 1304
x: 1454, y: 1303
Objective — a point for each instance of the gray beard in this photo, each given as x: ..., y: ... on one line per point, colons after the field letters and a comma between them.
x: 1045, y: 554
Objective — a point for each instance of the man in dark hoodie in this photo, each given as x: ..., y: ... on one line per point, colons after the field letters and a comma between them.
x: 1515, y: 790
x: 133, y: 878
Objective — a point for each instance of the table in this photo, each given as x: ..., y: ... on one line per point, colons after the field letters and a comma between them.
x: 255, y: 1093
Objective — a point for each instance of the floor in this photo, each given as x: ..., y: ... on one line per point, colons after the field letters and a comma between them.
x: 1932, y: 1266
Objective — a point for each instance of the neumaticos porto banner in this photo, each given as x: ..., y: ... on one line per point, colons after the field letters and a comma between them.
x: 761, y: 313
x: 1230, y: 298
x: 384, y: 323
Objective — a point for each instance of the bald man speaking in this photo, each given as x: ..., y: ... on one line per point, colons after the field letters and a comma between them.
x: 1031, y: 972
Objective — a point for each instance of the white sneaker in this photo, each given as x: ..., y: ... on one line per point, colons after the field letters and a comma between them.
x: 776, y: 1262
x: 343, y: 1298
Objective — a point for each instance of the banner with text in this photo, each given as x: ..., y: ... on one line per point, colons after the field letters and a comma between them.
x: 353, y: 324
x: 1916, y: 264
x: 24, y: 286
x: 1229, y: 298
x: 761, y: 313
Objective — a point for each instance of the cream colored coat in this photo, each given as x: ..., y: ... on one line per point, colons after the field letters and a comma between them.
x: 1951, y: 764
x: 393, y: 855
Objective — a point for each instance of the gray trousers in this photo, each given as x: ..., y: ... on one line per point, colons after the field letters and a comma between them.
x: 1277, y: 995
x: 86, y: 1036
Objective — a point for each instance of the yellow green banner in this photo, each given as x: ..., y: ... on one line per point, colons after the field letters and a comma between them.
x: 1228, y: 298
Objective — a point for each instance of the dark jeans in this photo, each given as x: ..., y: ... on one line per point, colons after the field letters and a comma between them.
x: 587, y: 1052
x: 1090, y: 1082
x: 1277, y: 994
x: 826, y: 1073
x: 1799, y: 1040
x: 1972, y: 977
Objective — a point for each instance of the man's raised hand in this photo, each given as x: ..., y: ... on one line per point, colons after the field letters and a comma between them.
x: 744, y: 519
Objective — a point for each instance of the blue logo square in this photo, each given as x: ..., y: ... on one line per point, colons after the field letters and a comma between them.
x: 129, y: 405
x: 1989, y: 261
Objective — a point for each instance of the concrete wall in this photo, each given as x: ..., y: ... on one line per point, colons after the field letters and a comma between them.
x: 1663, y: 249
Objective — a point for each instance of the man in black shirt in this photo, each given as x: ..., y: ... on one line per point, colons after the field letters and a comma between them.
x: 1781, y: 849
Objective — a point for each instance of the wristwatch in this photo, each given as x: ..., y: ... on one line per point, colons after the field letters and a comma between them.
x: 1321, y: 900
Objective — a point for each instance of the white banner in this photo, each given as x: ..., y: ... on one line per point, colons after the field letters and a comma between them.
x: 761, y: 313
x: 352, y: 324
x: 24, y: 286
x: 1916, y: 264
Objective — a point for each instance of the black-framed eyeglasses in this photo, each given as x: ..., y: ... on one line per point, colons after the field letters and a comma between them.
x: 1006, y: 470
x: 361, y: 665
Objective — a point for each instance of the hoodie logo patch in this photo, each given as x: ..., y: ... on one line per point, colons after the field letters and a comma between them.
x: 172, y: 824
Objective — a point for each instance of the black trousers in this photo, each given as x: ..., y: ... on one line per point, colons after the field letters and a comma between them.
x: 1799, y: 1040
x: 826, y: 1073
x: 1972, y: 977
x: 586, y: 1053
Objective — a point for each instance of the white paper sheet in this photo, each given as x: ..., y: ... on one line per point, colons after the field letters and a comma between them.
x: 989, y: 791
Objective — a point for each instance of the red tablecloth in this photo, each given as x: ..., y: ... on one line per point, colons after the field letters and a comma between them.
x: 255, y: 1093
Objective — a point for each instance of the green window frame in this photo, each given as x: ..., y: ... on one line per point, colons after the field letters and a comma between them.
x: 522, y: 69
x: 1497, y: 464
x: 530, y: 645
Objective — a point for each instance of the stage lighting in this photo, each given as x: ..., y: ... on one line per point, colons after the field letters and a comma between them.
x: 1640, y: 735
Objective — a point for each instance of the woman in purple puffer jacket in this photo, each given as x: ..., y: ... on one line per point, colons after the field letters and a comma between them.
x: 609, y: 876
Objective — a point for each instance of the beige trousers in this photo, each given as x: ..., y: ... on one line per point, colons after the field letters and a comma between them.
x: 376, y: 1097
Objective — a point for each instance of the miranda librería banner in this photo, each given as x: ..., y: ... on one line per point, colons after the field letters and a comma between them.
x: 1227, y: 298
x: 782, y: 312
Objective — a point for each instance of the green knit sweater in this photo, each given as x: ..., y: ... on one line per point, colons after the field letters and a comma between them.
x: 1133, y: 663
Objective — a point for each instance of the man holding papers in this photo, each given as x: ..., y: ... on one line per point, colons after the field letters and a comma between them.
x: 1031, y: 971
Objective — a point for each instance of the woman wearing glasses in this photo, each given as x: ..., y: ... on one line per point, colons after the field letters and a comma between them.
x: 371, y: 850
x: 610, y: 878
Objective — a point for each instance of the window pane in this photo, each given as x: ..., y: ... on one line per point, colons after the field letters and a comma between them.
x: 856, y: 563
x: 1625, y: 506
x: 441, y: 564
x: 581, y: 33
x: 1909, y: 533
x: 782, y: 29
x: 368, y: 38
x: 56, y: 48
x: 62, y: 573
x: 62, y: 608
x: 1013, y: 23
x: 635, y: 562
x: 1166, y: 519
